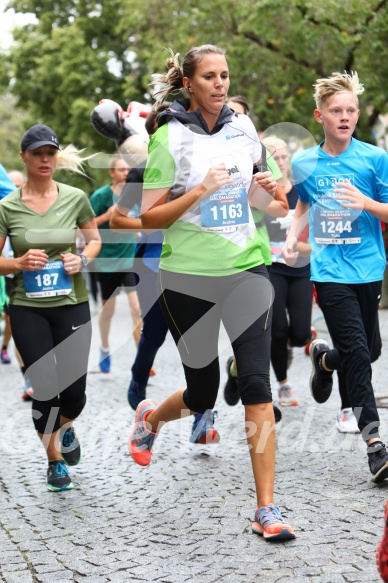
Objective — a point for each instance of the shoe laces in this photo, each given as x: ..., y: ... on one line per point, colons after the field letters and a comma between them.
x: 59, y: 469
x: 143, y: 438
x: 378, y: 453
x: 68, y: 437
x: 268, y: 515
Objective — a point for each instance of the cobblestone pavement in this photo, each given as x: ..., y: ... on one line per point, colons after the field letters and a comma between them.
x: 187, y: 516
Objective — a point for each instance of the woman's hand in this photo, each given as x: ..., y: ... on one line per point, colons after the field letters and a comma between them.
x: 72, y: 263
x: 216, y: 177
x: 290, y: 255
x: 34, y: 259
x: 266, y: 181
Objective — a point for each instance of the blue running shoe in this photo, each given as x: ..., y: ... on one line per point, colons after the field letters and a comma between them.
x: 135, y: 395
x: 58, y: 477
x: 203, y: 431
x: 70, y: 447
x: 271, y: 525
x: 141, y: 439
x: 5, y: 359
x: 104, y: 361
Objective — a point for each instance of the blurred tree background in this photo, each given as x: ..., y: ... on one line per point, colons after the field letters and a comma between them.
x: 80, y: 51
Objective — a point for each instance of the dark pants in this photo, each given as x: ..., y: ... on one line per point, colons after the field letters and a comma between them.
x: 54, y: 344
x: 291, y: 320
x: 154, y: 328
x: 350, y: 312
x: 194, y: 307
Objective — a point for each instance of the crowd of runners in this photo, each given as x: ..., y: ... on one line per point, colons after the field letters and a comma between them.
x: 212, y: 225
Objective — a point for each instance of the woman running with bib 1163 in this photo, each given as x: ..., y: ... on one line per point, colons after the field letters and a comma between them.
x: 199, y: 184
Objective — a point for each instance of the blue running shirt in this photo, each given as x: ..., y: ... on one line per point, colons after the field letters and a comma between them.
x: 347, y: 245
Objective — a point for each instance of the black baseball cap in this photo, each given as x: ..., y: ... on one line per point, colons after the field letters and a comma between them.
x: 39, y: 135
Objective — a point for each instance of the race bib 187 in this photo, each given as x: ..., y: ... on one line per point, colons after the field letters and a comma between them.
x: 50, y: 281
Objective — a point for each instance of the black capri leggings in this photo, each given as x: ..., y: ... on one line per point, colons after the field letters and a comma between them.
x: 194, y: 307
x: 54, y: 344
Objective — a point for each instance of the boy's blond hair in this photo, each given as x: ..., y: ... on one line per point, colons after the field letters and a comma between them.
x: 338, y: 82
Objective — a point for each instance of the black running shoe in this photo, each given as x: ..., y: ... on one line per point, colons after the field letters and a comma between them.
x: 58, y: 477
x: 321, y: 382
x: 135, y: 395
x: 231, y: 394
x: 70, y: 447
x: 378, y: 461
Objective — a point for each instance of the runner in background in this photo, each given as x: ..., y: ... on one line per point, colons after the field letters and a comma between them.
x: 114, y: 263
x: 291, y: 321
x: 19, y: 179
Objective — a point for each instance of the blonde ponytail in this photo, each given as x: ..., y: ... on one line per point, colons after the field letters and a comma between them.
x: 69, y: 158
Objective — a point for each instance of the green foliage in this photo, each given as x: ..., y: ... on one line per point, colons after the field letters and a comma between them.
x: 11, y: 130
x: 81, y: 52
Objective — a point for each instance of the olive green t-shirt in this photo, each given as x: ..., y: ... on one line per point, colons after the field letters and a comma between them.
x: 53, y: 231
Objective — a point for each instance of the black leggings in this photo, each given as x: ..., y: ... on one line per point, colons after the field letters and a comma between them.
x: 194, y: 307
x: 54, y: 344
x: 291, y: 321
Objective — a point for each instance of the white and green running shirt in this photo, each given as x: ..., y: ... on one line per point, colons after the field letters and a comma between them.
x: 217, y: 236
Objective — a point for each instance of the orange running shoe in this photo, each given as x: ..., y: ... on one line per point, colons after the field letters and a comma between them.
x: 141, y: 439
x: 382, y: 549
x: 271, y: 525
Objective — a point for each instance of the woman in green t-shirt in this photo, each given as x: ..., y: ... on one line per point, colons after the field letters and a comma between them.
x: 49, y: 308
